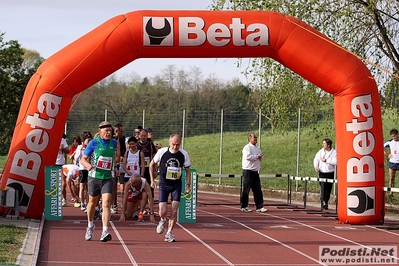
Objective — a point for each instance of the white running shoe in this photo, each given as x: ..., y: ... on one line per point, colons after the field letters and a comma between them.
x: 161, y: 226
x: 105, y: 237
x: 89, y: 233
x: 261, y: 210
x: 246, y: 209
x: 169, y: 237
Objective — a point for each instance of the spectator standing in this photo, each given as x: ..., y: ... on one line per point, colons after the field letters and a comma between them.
x: 251, y: 158
x: 324, y: 163
x: 62, y: 155
x: 63, y: 151
x: 172, y: 160
x: 99, y: 158
x: 75, y: 143
x: 393, y: 155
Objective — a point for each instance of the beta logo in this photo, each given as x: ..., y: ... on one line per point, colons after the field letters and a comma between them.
x: 24, y: 191
x: 158, y: 31
x: 194, y: 31
x: 361, y: 201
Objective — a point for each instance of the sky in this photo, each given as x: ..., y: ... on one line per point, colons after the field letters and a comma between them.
x: 47, y: 26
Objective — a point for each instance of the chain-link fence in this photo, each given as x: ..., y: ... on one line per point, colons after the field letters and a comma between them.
x: 187, y: 123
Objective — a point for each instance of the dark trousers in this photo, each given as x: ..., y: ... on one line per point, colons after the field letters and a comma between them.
x: 325, y: 187
x: 251, y: 181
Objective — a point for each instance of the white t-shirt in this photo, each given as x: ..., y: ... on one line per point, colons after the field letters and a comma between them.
x: 394, y: 147
x: 78, y: 156
x: 61, y: 156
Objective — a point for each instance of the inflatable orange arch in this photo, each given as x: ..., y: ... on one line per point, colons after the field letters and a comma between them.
x: 205, y: 34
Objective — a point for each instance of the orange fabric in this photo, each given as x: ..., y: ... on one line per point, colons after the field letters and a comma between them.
x: 206, y: 34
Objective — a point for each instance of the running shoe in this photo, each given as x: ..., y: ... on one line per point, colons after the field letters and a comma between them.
x: 89, y: 233
x: 64, y: 203
x: 246, y: 209
x: 261, y: 210
x: 141, y: 217
x: 83, y: 207
x: 105, y: 237
x: 169, y: 237
x: 76, y: 204
x: 161, y: 226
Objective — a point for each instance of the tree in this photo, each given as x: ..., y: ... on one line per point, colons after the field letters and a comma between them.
x: 163, y: 98
x: 17, y: 65
x: 280, y: 96
x: 366, y: 28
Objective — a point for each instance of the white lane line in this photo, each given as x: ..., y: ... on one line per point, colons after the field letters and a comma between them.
x: 206, y: 245
x: 266, y: 236
x: 383, y: 230
x: 132, y: 260
x: 319, y: 230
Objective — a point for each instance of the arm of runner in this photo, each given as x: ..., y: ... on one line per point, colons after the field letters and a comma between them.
x: 152, y: 174
x: 124, y: 200
x: 188, y: 180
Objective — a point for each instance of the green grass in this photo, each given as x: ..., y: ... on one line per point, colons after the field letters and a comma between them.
x: 280, y: 152
x: 2, y: 161
x: 11, y: 239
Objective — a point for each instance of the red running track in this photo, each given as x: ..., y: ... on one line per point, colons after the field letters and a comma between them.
x: 222, y: 235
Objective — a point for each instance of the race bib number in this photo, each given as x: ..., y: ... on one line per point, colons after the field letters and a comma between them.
x: 147, y: 161
x: 104, y: 163
x: 173, y: 173
x: 132, y: 167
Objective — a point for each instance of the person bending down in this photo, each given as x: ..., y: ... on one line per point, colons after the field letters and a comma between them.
x: 135, y: 195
